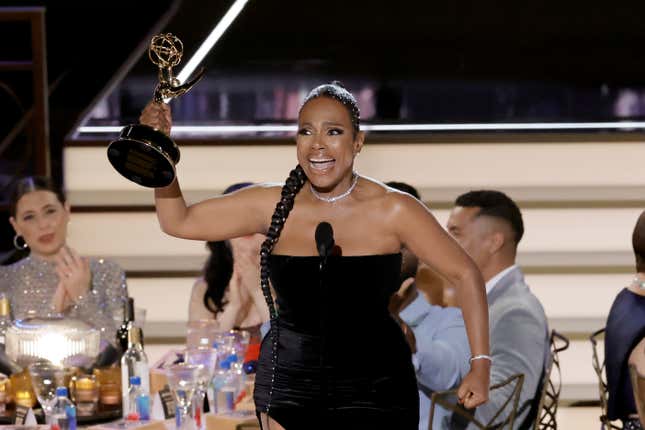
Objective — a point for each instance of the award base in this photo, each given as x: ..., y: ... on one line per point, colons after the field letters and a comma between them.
x: 144, y: 155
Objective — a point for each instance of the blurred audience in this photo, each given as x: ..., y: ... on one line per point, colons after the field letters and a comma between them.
x: 229, y: 290
x: 54, y: 280
x: 489, y: 226
x: 436, y: 335
x: 624, y: 330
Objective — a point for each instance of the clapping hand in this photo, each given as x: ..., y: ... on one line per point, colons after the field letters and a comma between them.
x: 74, y: 277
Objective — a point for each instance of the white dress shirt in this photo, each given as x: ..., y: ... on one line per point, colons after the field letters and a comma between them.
x: 495, y: 279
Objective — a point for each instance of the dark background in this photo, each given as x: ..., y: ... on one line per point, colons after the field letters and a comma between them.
x: 595, y: 48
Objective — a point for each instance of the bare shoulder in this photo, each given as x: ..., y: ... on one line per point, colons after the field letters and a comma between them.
x: 265, y: 190
x: 264, y: 195
x: 389, y: 200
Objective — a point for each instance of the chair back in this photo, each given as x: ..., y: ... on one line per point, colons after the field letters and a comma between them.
x: 599, y: 368
x: 503, y: 418
x: 547, y: 406
x: 638, y: 386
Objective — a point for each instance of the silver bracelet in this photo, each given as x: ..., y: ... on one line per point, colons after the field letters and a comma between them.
x: 481, y: 357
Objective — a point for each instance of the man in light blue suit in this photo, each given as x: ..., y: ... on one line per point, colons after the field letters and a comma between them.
x: 489, y: 226
x: 441, y: 356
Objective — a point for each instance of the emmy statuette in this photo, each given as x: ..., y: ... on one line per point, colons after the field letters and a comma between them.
x: 143, y: 154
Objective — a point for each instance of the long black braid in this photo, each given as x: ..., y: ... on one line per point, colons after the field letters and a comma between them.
x: 292, y: 186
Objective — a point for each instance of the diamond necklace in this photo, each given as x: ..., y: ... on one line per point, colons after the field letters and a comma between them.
x: 637, y: 282
x: 338, y: 197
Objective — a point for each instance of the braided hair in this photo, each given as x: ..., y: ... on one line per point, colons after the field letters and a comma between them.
x: 338, y: 92
x: 292, y: 186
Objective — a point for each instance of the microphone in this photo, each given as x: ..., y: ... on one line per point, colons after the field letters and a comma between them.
x: 324, y: 239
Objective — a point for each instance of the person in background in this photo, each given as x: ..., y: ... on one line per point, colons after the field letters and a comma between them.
x: 625, y: 328
x: 229, y: 290
x: 438, y: 340
x: 54, y: 280
x: 489, y: 226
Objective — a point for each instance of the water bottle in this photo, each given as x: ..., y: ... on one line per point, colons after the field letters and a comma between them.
x: 63, y: 414
x: 138, y: 401
x: 225, y: 387
x: 134, y: 363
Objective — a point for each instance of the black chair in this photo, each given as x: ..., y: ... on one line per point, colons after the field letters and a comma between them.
x: 546, y: 404
x: 599, y: 368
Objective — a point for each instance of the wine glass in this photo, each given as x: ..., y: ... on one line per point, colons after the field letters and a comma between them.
x: 202, y: 333
x: 205, y: 358
x: 182, y: 379
x: 45, y: 378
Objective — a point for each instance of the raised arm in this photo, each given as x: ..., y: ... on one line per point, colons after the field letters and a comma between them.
x: 244, y: 212
x: 420, y: 232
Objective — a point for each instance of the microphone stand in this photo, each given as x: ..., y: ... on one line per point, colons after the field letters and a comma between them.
x: 323, y: 326
x: 324, y: 243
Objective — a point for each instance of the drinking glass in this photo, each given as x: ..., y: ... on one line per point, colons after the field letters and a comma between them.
x: 45, y: 378
x: 205, y: 358
x: 182, y: 380
x: 202, y: 333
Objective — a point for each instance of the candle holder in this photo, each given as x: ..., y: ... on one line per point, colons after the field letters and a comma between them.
x: 22, y: 390
x: 109, y: 385
x: 84, y: 392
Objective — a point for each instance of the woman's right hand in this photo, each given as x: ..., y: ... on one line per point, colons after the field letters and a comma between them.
x: 158, y: 116
x: 473, y: 390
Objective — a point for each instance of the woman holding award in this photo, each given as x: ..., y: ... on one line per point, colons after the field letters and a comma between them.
x: 334, y: 355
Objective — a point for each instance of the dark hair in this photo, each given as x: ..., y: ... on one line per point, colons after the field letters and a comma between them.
x: 638, y: 243
x: 237, y: 186
x: 497, y: 205
x: 406, y: 188
x: 338, y: 92
x: 292, y: 186
x: 218, y: 269
x: 29, y: 184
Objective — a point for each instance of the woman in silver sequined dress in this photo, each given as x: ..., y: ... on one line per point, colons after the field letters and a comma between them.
x: 54, y: 279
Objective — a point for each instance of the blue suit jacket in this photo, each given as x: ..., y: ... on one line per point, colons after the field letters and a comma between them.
x: 441, y: 360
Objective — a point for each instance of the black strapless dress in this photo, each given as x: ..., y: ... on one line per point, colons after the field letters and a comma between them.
x: 342, y: 360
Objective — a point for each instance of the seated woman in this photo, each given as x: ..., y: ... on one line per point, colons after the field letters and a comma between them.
x: 625, y: 329
x: 229, y: 290
x: 54, y: 279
